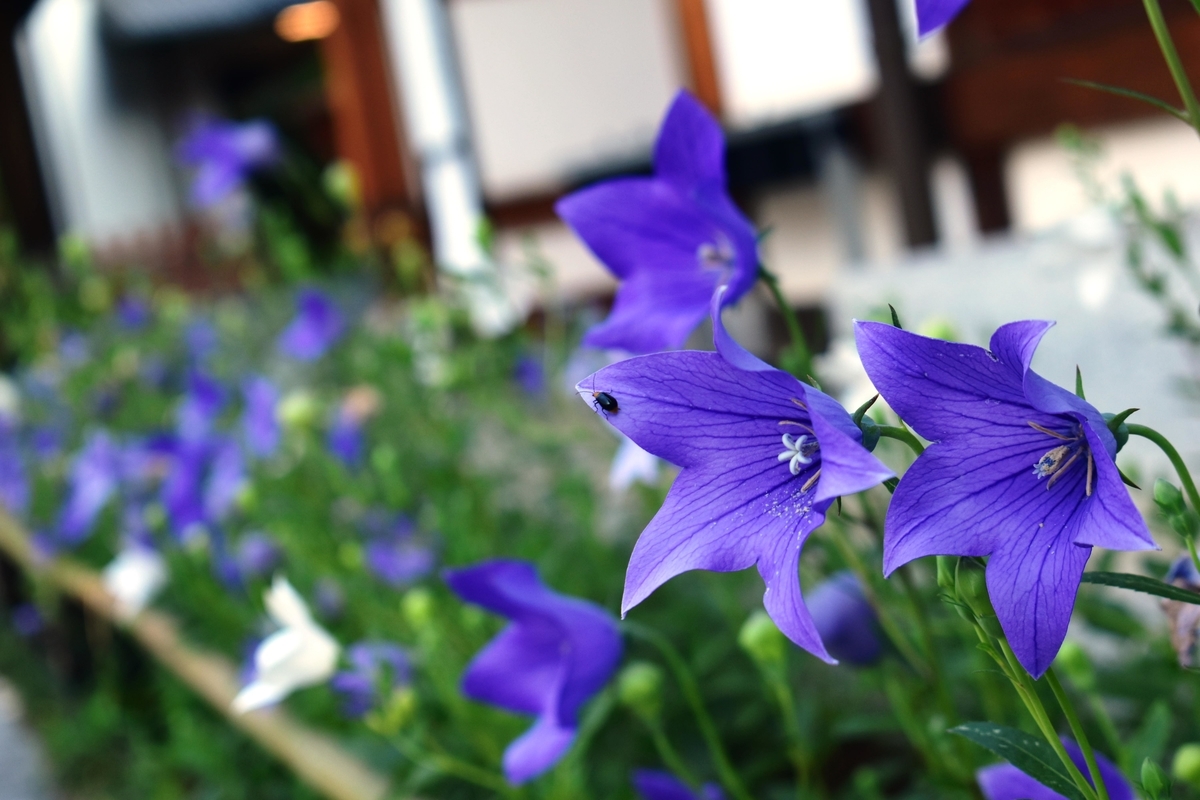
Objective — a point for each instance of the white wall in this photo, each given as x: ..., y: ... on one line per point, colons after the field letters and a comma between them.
x: 109, y: 167
x: 555, y: 87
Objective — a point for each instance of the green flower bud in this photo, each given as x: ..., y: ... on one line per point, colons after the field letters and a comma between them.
x: 1154, y: 780
x: 351, y: 555
x: 972, y: 590
x: 417, y: 607
x: 1186, y: 765
x: 939, y: 328
x: 298, y: 409
x: 397, y: 711
x: 946, y: 566
x: 761, y: 640
x: 639, y: 688
x: 1074, y: 662
x: 1168, y: 497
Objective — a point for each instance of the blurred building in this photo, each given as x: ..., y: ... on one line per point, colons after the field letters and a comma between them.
x: 451, y: 109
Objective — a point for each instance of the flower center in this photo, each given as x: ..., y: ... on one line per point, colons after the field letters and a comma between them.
x: 717, y: 255
x: 1056, y: 461
x: 800, y: 451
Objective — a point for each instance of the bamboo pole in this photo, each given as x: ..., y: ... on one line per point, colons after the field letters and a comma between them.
x: 314, y: 757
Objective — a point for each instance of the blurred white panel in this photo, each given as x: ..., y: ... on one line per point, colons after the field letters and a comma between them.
x: 555, y: 87
x: 1044, y: 190
x: 110, y: 164
x: 777, y: 59
x: 575, y: 272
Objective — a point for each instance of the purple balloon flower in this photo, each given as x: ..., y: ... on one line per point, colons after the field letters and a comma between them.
x: 671, y: 239
x: 394, y: 554
x: 762, y: 455
x: 654, y: 784
x: 933, y: 14
x: 133, y: 313
x: 14, y: 481
x: 226, y: 477
x: 314, y: 329
x: 197, y: 414
x: 371, y: 663
x: 260, y: 424
x: 224, y: 154
x: 847, y: 623
x: 1020, y: 470
x: 257, y: 554
x: 554, y: 655
x: 345, y: 439
x: 1006, y: 782
x: 92, y: 482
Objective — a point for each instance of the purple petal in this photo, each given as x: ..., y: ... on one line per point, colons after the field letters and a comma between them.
x: 260, y: 424
x: 1110, y: 519
x: 690, y: 151
x: 536, y: 750
x: 345, y: 440
x: 654, y: 784
x: 316, y: 327
x: 92, y: 483
x: 934, y: 14
x: 520, y: 669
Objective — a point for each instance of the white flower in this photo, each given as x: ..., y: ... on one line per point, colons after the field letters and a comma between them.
x: 300, y: 654
x: 631, y: 464
x: 133, y: 578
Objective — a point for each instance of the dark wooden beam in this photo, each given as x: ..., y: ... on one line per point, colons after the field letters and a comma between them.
x: 697, y: 43
x: 898, y: 125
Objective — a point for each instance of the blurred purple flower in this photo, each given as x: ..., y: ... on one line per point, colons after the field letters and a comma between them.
x: 554, y: 655
x: 652, y: 784
x: 363, y: 686
x: 1184, y: 618
x: 739, y: 501
x: 257, y: 555
x: 345, y: 439
x: 393, y: 553
x: 197, y: 413
x: 133, y: 313
x: 92, y: 481
x: 845, y: 620
x: 74, y: 349
x: 200, y: 339
x: 530, y: 375
x: 260, y: 423
x: 1020, y: 470
x: 671, y: 239
x: 224, y: 154
x: 46, y: 442
x: 182, y: 492
x: 1006, y: 782
x: 318, y: 324
x: 933, y: 14
x: 225, y: 480
x: 27, y: 621
x: 14, y: 480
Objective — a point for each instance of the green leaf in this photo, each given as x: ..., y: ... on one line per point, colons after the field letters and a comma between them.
x: 1027, y: 753
x: 1140, y: 583
x: 1161, y: 105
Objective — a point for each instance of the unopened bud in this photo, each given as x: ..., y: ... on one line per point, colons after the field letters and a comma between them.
x: 1154, y: 780
x: 1186, y: 765
x: 1168, y: 497
x: 1075, y: 663
x: 945, y: 572
x: 417, y: 607
x: 972, y: 590
x: 639, y: 688
x: 397, y: 711
x: 298, y: 409
x: 762, y: 640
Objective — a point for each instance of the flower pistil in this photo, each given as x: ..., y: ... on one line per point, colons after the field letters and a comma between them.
x: 1056, y: 461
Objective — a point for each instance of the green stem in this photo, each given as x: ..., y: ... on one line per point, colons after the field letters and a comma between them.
x: 448, y: 764
x: 1189, y: 486
x: 1089, y: 756
x: 902, y: 435
x: 1174, y: 63
x: 691, y: 692
x: 800, y: 351
x: 669, y: 754
x: 1191, y: 546
x: 886, y: 621
x: 1029, y: 696
x: 799, y: 753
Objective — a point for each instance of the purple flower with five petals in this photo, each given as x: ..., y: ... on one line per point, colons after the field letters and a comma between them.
x: 763, y: 456
x: 1020, y: 470
x: 848, y: 625
x: 934, y: 14
x: 554, y: 655
x: 1006, y: 782
x: 371, y: 664
x: 314, y: 329
x: 652, y: 784
x: 671, y: 239
x: 260, y: 423
x: 224, y: 154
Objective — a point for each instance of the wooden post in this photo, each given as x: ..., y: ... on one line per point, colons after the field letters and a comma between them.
x: 901, y: 134
x: 365, y: 119
x: 702, y: 64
